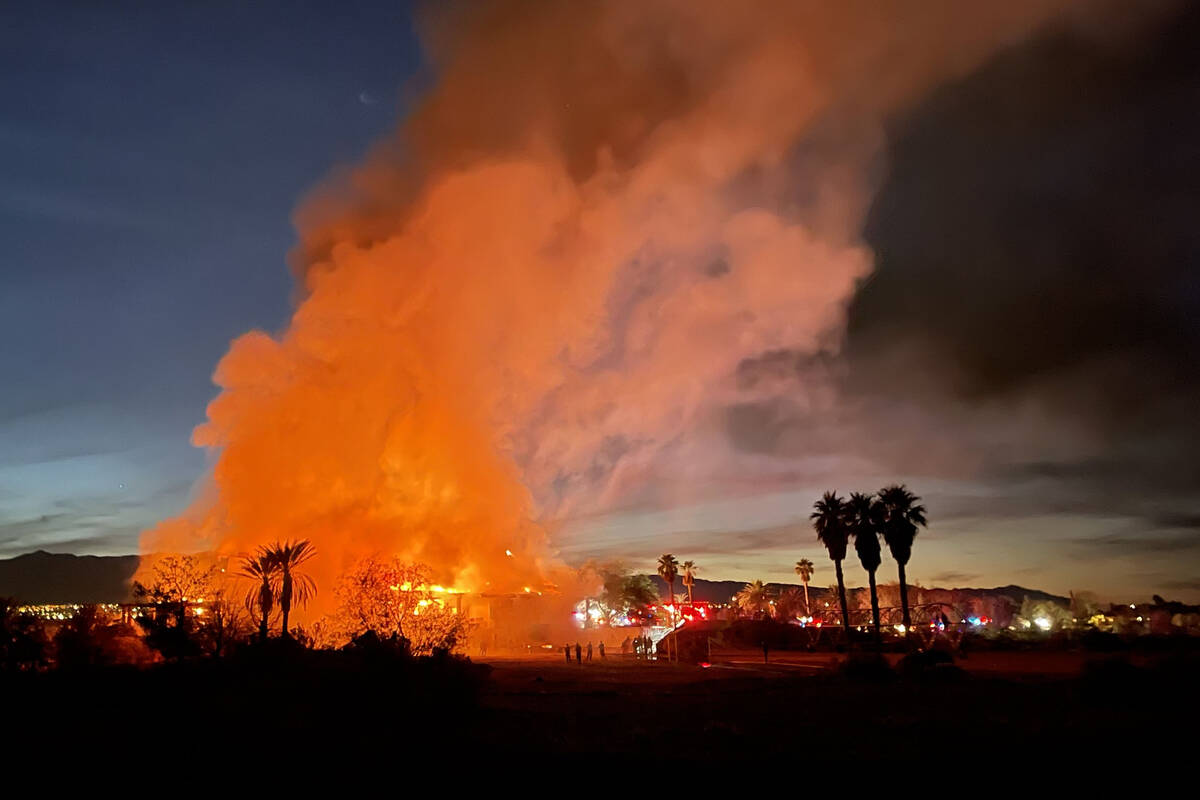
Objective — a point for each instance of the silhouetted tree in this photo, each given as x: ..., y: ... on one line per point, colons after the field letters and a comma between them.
x: 791, y: 604
x: 829, y: 521
x: 294, y: 586
x: 902, y: 513
x: 394, y: 601
x: 86, y: 640
x: 753, y: 598
x: 865, y: 516
x: 178, y: 583
x: 170, y: 639
x: 689, y: 577
x: 668, y: 569
x: 22, y: 638
x: 223, y: 624
x: 260, y: 598
x: 804, y: 568
x: 626, y: 594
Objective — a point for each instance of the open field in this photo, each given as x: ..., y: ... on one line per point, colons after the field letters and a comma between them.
x: 1002, y: 664
x: 998, y: 706
x: 803, y: 703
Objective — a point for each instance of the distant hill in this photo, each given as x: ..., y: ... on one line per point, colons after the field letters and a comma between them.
x: 723, y: 591
x: 42, y: 577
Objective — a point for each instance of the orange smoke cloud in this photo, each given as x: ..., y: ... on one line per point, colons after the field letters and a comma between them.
x: 545, y: 281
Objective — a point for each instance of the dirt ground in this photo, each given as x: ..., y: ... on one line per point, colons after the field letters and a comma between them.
x: 738, y: 704
x: 1018, y: 664
x: 363, y: 708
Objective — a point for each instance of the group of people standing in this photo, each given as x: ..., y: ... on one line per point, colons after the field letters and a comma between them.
x: 579, y: 652
x: 642, y: 646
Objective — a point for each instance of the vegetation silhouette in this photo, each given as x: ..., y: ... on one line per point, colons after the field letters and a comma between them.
x: 294, y: 586
x: 902, y: 513
x: 864, y: 516
x: 277, y: 583
x: 668, y: 570
x: 392, y: 598
x: 625, y: 595
x: 689, y: 578
x: 170, y: 603
x: 23, y: 642
x: 829, y: 521
x: 804, y: 568
x: 753, y: 599
x: 260, y: 598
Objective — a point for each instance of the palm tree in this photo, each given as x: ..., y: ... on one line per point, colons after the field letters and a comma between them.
x: 294, y: 587
x: 865, y: 515
x: 804, y: 568
x: 689, y: 577
x: 752, y: 597
x: 902, y: 513
x: 668, y: 568
x: 260, y: 598
x: 790, y: 604
x: 829, y: 521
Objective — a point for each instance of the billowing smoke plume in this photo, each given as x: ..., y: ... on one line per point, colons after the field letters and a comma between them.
x: 531, y: 300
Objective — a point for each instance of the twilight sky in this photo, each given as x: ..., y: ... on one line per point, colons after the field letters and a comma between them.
x: 1024, y: 355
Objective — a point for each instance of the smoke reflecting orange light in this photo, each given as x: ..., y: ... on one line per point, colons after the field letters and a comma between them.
x: 529, y: 302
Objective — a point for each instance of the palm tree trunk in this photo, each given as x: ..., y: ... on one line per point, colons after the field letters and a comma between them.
x: 875, y: 609
x: 904, y: 602
x: 285, y: 601
x: 842, y: 596
x: 671, y: 589
x: 263, y: 630
x: 807, y: 610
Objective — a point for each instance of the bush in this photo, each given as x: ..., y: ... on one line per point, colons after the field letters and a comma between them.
x: 1109, y: 670
x: 866, y: 668
x: 1101, y: 642
x: 937, y: 664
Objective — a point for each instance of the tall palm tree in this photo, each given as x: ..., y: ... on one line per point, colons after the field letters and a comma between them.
x: 260, y: 598
x: 689, y: 577
x: 804, y: 568
x: 829, y: 521
x: 902, y: 513
x: 294, y: 587
x: 865, y: 517
x: 668, y: 569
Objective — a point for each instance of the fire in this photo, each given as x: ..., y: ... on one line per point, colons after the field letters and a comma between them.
x: 531, y: 302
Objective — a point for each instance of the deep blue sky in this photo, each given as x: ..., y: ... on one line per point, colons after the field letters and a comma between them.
x: 149, y: 163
